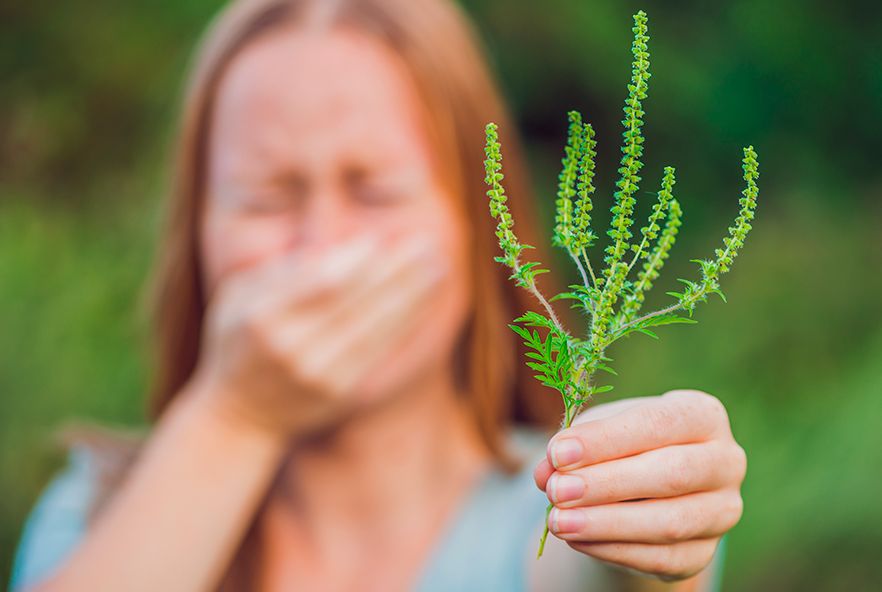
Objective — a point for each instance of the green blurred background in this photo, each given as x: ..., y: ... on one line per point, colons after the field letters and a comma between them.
x: 89, y: 95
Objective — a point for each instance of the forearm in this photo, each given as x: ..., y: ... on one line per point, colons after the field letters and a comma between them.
x: 177, y: 519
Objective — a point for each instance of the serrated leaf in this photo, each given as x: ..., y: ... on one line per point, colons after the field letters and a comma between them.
x: 521, y: 331
x: 538, y: 367
x: 534, y: 319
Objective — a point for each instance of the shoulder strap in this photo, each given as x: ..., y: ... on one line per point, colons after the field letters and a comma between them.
x: 57, y: 521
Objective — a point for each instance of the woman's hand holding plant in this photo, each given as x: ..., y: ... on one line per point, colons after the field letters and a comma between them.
x: 649, y: 483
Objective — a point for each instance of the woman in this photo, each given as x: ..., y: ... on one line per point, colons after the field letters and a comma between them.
x: 338, y: 403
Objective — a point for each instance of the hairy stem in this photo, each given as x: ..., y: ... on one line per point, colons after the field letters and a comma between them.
x: 672, y: 308
x: 535, y: 292
x: 590, y: 269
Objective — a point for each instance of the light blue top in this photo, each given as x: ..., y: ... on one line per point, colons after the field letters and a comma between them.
x: 466, y: 558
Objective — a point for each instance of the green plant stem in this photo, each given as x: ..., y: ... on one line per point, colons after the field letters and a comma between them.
x: 535, y: 292
x: 569, y: 415
x: 575, y: 258
x: 544, y: 532
x: 590, y: 269
x: 672, y: 308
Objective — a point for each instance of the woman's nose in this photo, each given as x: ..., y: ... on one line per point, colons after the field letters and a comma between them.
x: 325, y: 221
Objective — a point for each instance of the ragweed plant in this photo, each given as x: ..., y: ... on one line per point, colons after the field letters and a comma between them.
x: 612, y: 297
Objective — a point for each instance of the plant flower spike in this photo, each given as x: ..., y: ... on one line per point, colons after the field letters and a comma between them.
x: 610, y: 297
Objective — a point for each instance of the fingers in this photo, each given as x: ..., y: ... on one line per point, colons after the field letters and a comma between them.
x: 542, y: 472
x: 354, y: 297
x: 679, y: 560
x: 677, y: 417
x: 544, y: 469
x: 304, y: 279
x: 652, y: 521
x: 362, y: 339
x: 370, y: 340
x: 386, y: 276
x: 296, y: 275
x: 665, y: 472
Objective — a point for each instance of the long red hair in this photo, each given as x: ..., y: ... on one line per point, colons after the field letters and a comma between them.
x: 444, y: 58
x: 449, y: 68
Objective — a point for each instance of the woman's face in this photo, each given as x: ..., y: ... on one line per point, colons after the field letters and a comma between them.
x: 317, y: 137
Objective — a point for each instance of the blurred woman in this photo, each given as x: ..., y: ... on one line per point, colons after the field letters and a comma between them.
x: 338, y: 402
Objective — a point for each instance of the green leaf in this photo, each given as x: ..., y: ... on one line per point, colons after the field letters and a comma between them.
x: 648, y: 332
x: 720, y: 294
x: 667, y: 319
x: 534, y: 319
x: 521, y: 331
x: 538, y: 367
x: 602, y: 389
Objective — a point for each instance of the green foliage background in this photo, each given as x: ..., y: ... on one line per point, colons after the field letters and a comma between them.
x: 89, y: 93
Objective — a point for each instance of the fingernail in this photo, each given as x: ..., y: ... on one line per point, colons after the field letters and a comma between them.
x: 565, y: 521
x: 565, y: 452
x: 565, y: 488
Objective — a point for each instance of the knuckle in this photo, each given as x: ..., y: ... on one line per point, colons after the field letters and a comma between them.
x: 683, y: 396
x: 659, y: 418
x: 703, y: 405
x: 739, y: 462
x: 734, y: 509
x: 676, y: 527
x: 717, y: 410
x: 680, y: 475
x: 697, y: 398
x: 673, y: 532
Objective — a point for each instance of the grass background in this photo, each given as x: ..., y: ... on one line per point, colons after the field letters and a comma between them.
x: 90, y: 92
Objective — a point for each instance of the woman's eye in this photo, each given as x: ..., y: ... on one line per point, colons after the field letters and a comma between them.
x: 377, y: 194
x: 267, y: 203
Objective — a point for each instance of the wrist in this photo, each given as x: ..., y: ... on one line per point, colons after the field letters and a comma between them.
x: 204, y: 401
